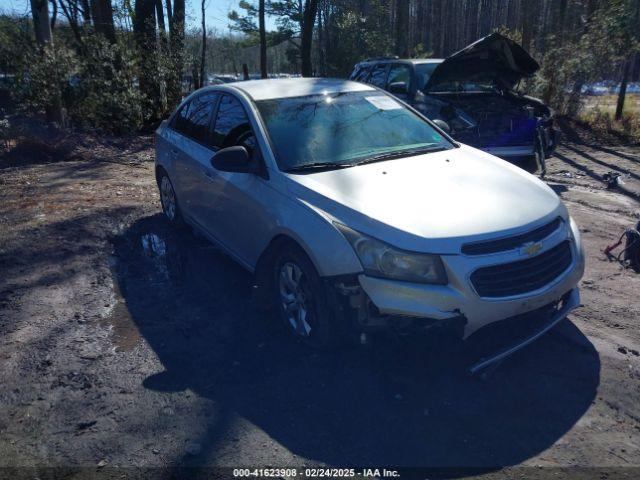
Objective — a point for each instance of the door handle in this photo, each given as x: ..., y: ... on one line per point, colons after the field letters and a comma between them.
x: 174, y: 153
x: 207, y: 173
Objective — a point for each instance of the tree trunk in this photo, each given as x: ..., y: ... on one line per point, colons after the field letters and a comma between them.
x: 322, y: 37
x: 144, y: 29
x: 204, y: 47
x: 623, y: 89
x: 526, y: 22
x: 308, y: 21
x: 41, y: 25
x: 263, y: 40
x: 54, y: 15
x: 160, y: 18
x: 103, y: 19
x: 402, y: 27
x: 42, y: 28
x: 169, y: 14
x: 86, y: 11
x: 562, y: 14
x: 176, y: 40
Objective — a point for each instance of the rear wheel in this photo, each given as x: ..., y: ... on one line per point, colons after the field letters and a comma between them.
x: 302, y: 301
x: 169, y: 201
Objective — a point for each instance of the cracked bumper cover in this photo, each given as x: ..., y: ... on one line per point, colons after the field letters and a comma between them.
x: 443, y: 302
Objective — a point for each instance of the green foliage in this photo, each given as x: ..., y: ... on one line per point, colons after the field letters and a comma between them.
x: 360, y: 37
x: 602, y: 121
x: 15, y: 34
x: 568, y: 64
x: 47, y: 74
x: 106, y: 94
x: 245, y: 22
x: 420, y: 51
x: 515, y: 35
x: 5, y: 133
x: 97, y: 88
x: 288, y: 17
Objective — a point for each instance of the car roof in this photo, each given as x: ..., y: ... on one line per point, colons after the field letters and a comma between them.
x: 269, y: 89
x: 415, y: 61
x: 418, y: 61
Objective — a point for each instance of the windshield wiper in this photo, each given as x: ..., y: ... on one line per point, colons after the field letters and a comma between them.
x: 376, y: 158
x: 318, y: 166
x: 401, y: 154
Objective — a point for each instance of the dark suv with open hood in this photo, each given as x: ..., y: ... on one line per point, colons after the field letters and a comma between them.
x: 472, y: 91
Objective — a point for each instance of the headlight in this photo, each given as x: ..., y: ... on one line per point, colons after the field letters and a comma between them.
x: 575, y: 233
x: 381, y: 260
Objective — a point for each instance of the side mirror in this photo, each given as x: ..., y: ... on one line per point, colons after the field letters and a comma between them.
x: 399, y: 88
x: 442, y: 125
x: 234, y: 159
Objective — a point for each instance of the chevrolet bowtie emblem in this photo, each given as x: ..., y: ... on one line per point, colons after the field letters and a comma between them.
x: 531, y: 248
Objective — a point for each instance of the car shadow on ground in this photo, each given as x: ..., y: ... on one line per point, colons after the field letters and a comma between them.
x: 395, y: 404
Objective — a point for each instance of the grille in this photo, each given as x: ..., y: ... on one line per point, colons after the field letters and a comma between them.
x: 511, y: 243
x: 522, y: 276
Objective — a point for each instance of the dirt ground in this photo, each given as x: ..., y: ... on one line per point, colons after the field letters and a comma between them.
x: 124, y: 344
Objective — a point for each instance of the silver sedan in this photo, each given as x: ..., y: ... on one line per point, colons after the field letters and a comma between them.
x: 355, y: 212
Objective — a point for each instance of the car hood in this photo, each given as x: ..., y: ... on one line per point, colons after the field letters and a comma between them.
x: 447, y: 198
x: 493, y: 57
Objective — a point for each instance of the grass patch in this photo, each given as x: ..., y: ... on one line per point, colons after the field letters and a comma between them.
x: 600, y: 117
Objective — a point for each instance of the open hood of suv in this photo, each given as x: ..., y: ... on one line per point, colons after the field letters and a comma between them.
x: 492, y: 58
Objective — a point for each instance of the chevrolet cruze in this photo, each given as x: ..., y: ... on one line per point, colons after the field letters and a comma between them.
x: 355, y: 212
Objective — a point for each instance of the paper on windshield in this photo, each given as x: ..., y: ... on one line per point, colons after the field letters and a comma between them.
x: 383, y: 103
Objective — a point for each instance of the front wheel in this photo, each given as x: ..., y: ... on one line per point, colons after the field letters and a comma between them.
x: 302, y: 300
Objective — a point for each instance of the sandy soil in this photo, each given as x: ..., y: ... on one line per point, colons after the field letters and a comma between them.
x: 125, y: 344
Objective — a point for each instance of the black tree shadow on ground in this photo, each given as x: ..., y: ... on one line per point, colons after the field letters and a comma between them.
x: 589, y: 172
x: 617, y: 153
x: 401, y: 405
x: 593, y: 159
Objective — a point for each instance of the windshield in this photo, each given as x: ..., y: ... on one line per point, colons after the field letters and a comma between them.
x: 344, y: 129
x: 470, y: 85
x: 480, y: 82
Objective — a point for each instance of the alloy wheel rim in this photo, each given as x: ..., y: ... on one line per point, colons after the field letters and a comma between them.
x: 168, y: 198
x: 294, y: 298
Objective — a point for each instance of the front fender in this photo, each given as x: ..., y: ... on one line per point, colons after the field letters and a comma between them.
x: 327, y: 248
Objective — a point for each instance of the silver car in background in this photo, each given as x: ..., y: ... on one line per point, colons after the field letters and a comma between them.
x: 356, y: 213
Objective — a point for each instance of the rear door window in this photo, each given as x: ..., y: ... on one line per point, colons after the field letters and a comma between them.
x: 379, y: 76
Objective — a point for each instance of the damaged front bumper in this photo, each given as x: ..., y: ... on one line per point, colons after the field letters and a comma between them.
x: 459, y: 296
x: 523, y: 335
x: 492, y: 343
x: 378, y: 303
x: 524, y: 156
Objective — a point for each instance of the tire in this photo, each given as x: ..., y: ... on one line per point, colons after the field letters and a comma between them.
x: 540, y: 155
x: 301, y: 300
x: 169, y: 201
